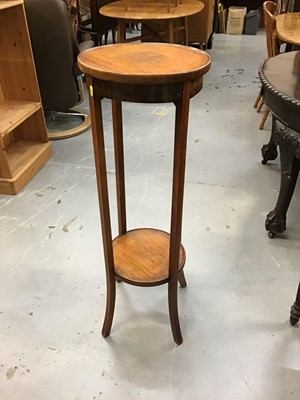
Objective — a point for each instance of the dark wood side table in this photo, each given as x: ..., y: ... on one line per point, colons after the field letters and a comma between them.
x: 145, y: 73
x: 280, y: 77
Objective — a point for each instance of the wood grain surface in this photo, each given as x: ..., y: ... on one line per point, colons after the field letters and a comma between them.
x: 144, y: 63
x: 151, y: 10
x: 288, y: 27
x: 141, y: 257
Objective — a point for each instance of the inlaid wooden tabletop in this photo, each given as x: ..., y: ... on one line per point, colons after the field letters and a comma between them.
x: 288, y: 27
x: 151, y: 11
x: 146, y: 63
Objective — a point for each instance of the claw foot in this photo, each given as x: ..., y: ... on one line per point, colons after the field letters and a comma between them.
x: 275, y: 223
x: 295, y: 314
x: 268, y: 152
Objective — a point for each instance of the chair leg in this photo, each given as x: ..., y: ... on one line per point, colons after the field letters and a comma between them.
x: 264, y: 118
x: 260, y: 104
x: 295, y: 310
x: 173, y: 311
x: 257, y: 99
x: 181, y: 279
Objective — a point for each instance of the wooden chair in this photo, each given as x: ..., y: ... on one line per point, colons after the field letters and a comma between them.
x: 270, y: 10
x: 91, y: 22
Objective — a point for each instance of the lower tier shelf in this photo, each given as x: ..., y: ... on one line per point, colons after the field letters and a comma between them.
x: 25, y: 159
x: 141, y: 257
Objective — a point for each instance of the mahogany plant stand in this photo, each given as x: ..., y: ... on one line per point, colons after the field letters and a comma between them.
x: 143, y: 73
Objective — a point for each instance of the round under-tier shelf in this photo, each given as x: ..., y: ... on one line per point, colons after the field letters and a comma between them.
x: 141, y: 257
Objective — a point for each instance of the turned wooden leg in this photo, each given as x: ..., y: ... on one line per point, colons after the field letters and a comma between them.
x: 170, y: 31
x: 257, y: 99
x: 295, y: 310
x: 269, y: 150
x: 276, y: 219
x: 185, y: 31
x: 260, y: 104
x: 264, y: 118
x: 121, y: 28
x: 101, y: 176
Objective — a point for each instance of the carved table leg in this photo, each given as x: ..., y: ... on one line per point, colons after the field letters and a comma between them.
x: 269, y: 150
x: 276, y: 219
x: 295, y: 310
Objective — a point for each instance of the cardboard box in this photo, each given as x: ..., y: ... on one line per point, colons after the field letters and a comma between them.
x: 235, y: 21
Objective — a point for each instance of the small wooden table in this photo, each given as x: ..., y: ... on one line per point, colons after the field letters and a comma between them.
x: 280, y: 77
x: 288, y: 28
x: 152, y: 12
x: 144, y: 73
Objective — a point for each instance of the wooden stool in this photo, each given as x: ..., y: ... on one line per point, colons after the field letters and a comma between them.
x: 144, y: 73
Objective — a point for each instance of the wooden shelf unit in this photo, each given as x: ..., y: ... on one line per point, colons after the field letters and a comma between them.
x: 24, y: 144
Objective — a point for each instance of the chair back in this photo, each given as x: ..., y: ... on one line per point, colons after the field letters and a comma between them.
x: 270, y: 11
x: 92, y: 22
x: 55, y: 53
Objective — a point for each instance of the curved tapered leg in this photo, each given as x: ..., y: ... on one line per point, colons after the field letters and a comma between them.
x: 181, y: 127
x: 173, y: 311
x: 110, y: 307
x: 295, y: 310
x: 101, y: 176
x: 181, y: 279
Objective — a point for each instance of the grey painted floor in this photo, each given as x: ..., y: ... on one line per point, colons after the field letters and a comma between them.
x: 238, y: 343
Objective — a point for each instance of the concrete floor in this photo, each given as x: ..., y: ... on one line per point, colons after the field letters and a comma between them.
x: 238, y: 343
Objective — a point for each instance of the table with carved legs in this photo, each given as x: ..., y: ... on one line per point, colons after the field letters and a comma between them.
x: 280, y: 77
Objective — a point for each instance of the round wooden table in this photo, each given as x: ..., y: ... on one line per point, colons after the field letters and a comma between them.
x: 280, y: 77
x: 145, y: 73
x: 288, y: 28
x: 152, y: 12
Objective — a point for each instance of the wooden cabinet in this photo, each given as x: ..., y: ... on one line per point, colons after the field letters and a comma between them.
x: 24, y: 144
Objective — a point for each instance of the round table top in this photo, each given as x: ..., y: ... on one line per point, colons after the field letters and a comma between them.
x: 151, y: 11
x: 144, y: 63
x: 282, y: 72
x: 288, y: 27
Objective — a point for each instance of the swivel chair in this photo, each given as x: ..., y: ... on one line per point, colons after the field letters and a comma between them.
x: 55, y: 51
